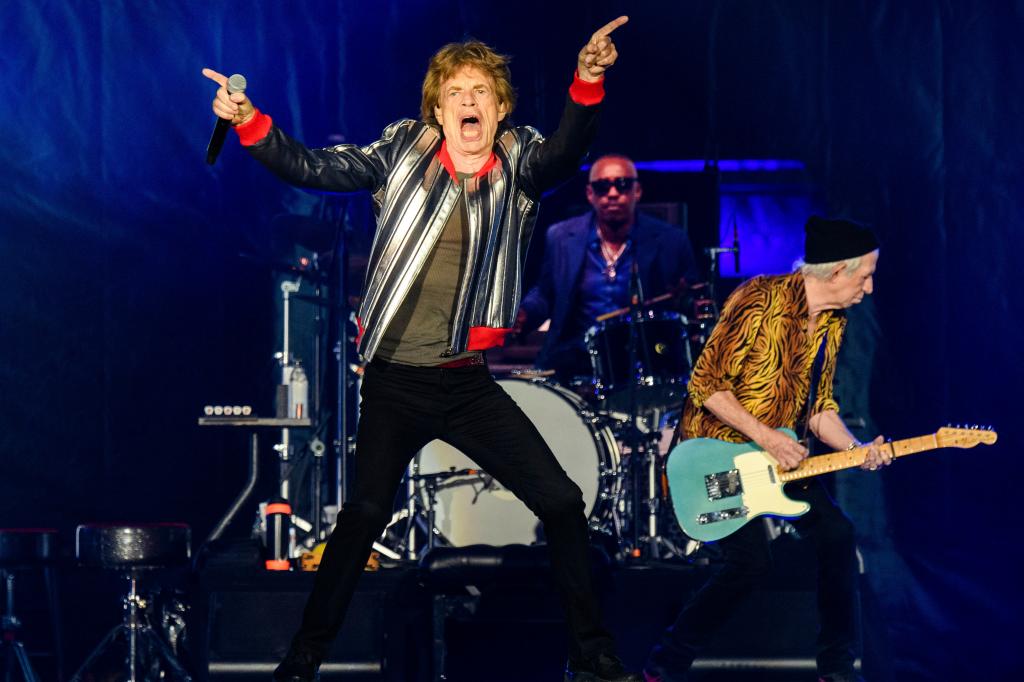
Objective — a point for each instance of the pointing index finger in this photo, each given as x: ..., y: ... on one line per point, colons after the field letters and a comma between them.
x: 610, y: 26
x: 218, y: 78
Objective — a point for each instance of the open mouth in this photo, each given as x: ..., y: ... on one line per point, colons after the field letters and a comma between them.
x: 470, y: 128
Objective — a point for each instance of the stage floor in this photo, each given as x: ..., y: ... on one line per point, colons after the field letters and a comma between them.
x: 239, y: 620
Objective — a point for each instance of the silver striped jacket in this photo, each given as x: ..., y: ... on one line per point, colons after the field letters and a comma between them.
x: 414, y: 195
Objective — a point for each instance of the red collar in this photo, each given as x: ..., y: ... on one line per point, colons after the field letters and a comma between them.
x: 449, y: 165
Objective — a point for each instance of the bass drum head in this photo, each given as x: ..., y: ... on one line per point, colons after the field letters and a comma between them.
x: 476, y: 509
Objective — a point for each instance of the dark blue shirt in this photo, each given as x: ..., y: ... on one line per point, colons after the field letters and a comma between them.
x: 597, y: 292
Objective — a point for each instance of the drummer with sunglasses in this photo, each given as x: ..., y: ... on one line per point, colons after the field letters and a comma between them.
x: 587, y: 264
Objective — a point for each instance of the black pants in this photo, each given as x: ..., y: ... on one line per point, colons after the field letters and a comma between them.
x: 403, y: 408
x: 748, y: 558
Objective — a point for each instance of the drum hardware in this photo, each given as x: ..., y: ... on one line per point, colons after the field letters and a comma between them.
x: 656, y: 365
x: 641, y: 362
x: 476, y: 509
x: 420, y: 511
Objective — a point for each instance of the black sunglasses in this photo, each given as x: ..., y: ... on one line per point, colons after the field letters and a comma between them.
x: 603, y: 186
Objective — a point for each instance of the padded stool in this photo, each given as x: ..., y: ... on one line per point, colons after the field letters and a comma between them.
x: 22, y: 548
x: 131, y: 551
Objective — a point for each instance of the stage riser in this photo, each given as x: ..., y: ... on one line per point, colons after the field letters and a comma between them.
x: 387, y: 634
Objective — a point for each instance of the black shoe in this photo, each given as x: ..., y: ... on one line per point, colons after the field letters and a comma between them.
x: 604, y: 668
x: 298, y: 665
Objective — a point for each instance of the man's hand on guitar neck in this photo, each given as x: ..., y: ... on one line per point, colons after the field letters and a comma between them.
x: 877, y: 456
x: 829, y: 427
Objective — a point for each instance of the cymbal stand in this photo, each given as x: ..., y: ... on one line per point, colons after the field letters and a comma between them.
x: 658, y: 545
x: 642, y: 472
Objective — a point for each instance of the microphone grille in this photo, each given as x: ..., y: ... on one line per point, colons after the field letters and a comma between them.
x: 236, y: 83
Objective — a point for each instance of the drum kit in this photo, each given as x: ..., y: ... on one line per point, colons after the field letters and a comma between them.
x: 610, y: 432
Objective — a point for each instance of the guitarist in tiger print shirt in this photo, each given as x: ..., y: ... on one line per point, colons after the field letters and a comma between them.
x: 753, y: 378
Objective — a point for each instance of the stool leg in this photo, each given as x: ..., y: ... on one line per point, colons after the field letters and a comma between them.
x: 22, y: 657
x: 165, y: 652
x: 141, y: 640
x: 14, y: 650
x: 132, y: 621
x: 53, y: 598
x: 97, y: 652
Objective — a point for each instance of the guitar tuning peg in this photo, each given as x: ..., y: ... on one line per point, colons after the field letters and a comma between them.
x: 949, y: 425
x: 975, y: 427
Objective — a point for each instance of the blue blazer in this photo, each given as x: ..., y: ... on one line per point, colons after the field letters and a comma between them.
x: 665, y: 255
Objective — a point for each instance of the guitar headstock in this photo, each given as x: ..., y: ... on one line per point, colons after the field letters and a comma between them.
x: 965, y: 436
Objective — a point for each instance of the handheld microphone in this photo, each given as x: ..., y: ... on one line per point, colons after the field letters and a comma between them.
x: 235, y: 84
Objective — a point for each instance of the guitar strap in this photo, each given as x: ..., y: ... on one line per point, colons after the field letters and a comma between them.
x: 812, y: 391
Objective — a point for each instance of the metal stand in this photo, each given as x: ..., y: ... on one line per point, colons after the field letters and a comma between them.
x: 145, y: 649
x: 14, y: 650
x: 420, y: 510
x: 642, y: 472
x: 243, y: 496
x: 283, y: 447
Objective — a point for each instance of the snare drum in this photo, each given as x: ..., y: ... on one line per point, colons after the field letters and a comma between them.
x: 662, y: 360
x: 473, y: 510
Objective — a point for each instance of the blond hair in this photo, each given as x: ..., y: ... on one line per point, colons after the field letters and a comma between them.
x: 447, y: 61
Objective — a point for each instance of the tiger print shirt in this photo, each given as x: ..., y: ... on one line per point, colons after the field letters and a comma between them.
x: 760, y: 351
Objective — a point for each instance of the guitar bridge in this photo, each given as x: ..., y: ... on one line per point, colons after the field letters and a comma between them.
x: 723, y: 484
x: 722, y: 515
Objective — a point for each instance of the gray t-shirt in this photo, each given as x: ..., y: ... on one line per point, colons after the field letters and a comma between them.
x: 421, y: 330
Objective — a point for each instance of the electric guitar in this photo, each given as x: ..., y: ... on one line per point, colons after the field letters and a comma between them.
x: 717, y: 487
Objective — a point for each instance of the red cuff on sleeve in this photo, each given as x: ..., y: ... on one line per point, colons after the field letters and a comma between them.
x: 255, y: 129
x: 482, y: 338
x: 587, y: 94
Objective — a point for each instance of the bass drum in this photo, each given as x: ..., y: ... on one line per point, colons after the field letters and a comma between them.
x: 476, y: 509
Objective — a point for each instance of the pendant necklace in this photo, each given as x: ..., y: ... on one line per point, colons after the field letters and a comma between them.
x: 611, y: 258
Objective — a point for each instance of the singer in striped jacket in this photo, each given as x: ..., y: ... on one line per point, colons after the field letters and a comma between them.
x: 456, y: 197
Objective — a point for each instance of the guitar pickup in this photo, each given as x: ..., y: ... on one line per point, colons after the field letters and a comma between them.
x: 722, y: 515
x: 723, y: 484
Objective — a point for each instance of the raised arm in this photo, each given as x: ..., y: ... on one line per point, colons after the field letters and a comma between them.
x: 345, y: 168
x: 554, y: 160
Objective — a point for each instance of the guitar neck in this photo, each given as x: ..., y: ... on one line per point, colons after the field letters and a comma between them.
x: 847, y: 459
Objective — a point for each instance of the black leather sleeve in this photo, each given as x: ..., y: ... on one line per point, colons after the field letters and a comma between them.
x: 344, y: 168
x: 550, y: 162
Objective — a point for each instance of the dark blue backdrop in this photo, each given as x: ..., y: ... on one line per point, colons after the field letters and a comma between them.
x: 125, y: 306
